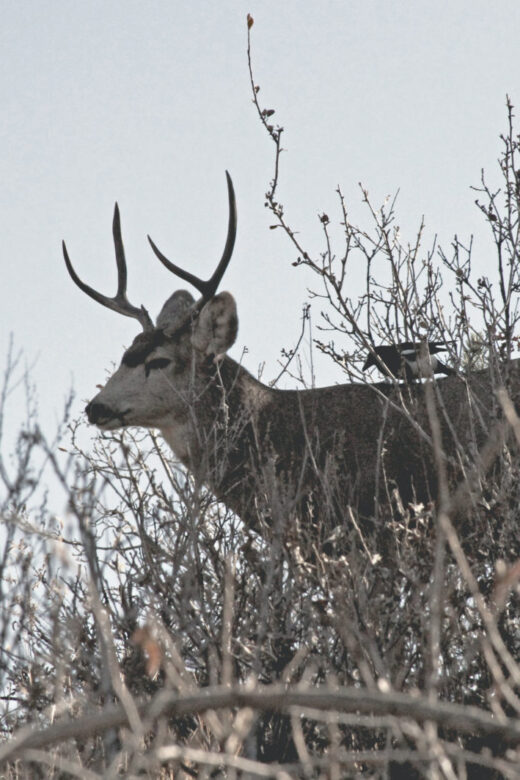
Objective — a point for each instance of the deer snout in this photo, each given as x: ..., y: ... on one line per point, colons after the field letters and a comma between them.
x: 104, y: 416
x: 98, y: 413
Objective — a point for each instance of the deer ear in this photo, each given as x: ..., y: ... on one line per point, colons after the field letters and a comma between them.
x: 216, y: 327
x: 174, y: 311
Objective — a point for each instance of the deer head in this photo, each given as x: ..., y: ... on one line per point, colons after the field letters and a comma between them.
x: 167, y: 363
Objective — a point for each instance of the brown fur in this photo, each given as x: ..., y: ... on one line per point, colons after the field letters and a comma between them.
x: 344, y: 445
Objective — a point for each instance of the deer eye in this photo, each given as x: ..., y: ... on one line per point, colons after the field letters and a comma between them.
x: 157, y: 363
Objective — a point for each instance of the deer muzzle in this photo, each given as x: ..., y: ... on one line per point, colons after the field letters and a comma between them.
x: 102, y: 415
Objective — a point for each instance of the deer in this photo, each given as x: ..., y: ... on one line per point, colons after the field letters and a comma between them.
x: 268, y: 453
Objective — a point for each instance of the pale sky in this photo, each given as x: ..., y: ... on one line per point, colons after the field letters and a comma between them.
x: 149, y: 103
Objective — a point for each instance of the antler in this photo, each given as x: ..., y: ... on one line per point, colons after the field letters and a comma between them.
x: 208, y: 288
x: 119, y: 302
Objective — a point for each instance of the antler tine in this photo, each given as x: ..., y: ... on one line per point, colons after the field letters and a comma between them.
x: 120, y: 255
x: 214, y: 282
x: 208, y: 288
x: 119, y: 302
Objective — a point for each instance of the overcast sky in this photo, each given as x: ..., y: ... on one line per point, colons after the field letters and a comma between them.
x: 149, y: 103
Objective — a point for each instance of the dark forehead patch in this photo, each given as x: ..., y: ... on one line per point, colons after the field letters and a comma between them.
x: 143, y: 344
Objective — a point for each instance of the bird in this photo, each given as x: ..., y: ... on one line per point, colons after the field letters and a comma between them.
x: 408, y: 360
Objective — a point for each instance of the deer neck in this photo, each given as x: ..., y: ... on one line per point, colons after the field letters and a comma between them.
x: 221, y: 414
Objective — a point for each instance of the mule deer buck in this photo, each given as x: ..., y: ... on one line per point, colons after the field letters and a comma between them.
x: 264, y: 451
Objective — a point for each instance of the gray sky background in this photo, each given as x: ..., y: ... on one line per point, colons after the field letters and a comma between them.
x: 149, y: 103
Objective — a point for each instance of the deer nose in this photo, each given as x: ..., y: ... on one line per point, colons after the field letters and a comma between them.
x: 96, y: 412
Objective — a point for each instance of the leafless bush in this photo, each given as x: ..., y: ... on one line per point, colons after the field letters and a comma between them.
x: 148, y: 632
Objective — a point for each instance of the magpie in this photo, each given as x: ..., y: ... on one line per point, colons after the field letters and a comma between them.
x: 406, y: 359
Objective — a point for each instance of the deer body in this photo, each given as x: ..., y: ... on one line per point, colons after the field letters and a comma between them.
x: 256, y: 446
x: 269, y: 453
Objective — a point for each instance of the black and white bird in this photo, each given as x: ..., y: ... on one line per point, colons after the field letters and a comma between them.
x: 408, y: 360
